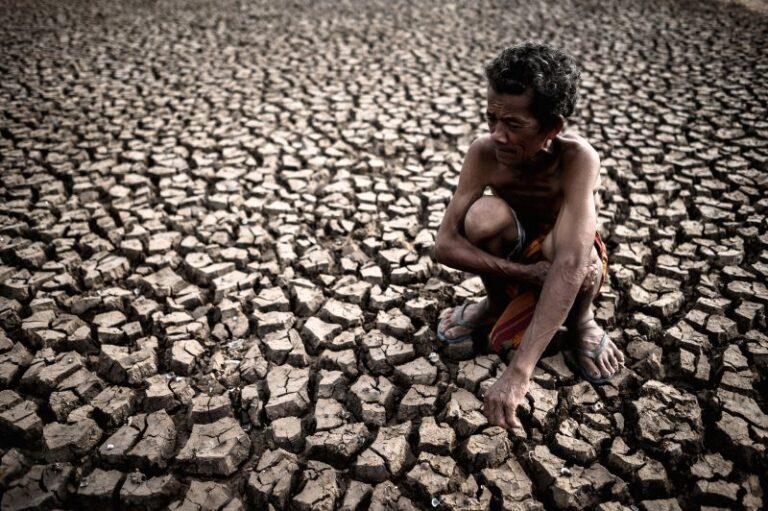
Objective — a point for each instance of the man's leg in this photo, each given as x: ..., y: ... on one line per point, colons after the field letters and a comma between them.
x: 581, y: 320
x: 491, y: 225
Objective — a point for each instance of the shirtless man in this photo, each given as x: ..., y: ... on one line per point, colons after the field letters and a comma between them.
x: 544, y: 185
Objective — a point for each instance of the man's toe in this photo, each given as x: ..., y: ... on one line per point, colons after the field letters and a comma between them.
x: 605, y: 366
x: 614, y: 362
x: 445, y: 320
x: 590, y: 367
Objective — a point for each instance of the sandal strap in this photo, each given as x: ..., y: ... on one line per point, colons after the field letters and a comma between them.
x: 593, y: 354
x: 458, y: 317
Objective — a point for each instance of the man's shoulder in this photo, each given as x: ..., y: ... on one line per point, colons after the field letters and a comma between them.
x: 579, y: 157
x: 577, y: 148
x: 480, y: 158
x: 481, y: 147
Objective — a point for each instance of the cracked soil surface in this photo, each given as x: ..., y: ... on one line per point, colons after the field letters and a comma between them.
x: 217, y: 290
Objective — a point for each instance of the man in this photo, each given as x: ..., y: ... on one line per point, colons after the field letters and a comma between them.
x: 534, y: 241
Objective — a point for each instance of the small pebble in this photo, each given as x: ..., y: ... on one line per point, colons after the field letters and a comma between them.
x: 565, y: 471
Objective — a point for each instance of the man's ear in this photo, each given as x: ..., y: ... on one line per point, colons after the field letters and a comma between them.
x: 556, y: 127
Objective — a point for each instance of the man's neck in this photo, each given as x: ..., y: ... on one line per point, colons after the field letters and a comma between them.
x: 540, y: 163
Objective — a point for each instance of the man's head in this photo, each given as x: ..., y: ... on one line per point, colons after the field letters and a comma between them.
x: 532, y: 89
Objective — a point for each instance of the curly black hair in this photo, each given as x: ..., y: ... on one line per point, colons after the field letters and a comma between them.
x: 550, y: 73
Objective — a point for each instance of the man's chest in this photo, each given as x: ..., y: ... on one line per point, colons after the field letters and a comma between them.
x: 535, y: 198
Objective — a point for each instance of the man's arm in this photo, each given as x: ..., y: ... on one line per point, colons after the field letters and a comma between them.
x: 451, y: 247
x: 573, y: 239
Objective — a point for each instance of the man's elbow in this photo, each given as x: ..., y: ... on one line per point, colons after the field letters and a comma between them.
x: 440, y: 251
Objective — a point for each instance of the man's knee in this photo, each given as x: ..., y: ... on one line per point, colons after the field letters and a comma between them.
x: 490, y: 217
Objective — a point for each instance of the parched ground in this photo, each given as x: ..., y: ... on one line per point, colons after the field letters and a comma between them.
x: 216, y: 286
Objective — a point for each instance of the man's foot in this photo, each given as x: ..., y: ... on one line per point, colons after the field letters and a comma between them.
x: 458, y: 323
x: 598, y: 363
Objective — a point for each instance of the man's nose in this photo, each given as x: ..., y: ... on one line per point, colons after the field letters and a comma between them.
x: 498, y: 134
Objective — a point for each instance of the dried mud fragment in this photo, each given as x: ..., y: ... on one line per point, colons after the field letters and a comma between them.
x: 372, y: 398
x: 489, y: 448
x: 146, y: 442
x: 668, y: 420
x: 67, y: 442
x: 207, y: 495
x: 356, y: 496
x: 388, y: 497
x: 384, y: 352
x: 387, y: 457
x: 145, y: 493
x: 433, y: 475
x: 436, y: 438
x: 42, y: 487
x: 465, y: 413
x: 419, y: 401
x: 121, y: 365
x: 113, y: 405
x: 511, y: 483
x: 288, y: 393
x: 99, y: 488
x: 19, y: 419
x: 319, y: 488
x: 271, y: 480
x: 337, y: 446
x: 216, y: 449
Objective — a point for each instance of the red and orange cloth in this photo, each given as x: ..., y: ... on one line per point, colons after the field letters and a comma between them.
x: 509, y: 329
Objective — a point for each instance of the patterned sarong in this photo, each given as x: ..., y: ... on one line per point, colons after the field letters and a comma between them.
x: 509, y: 329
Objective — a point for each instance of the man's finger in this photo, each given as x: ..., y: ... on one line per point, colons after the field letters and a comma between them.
x: 491, y: 411
x: 510, y: 414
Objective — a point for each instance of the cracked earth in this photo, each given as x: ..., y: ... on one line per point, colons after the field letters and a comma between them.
x: 217, y: 290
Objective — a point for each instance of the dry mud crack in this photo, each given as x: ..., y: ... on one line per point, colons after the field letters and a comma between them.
x: 217, y: 290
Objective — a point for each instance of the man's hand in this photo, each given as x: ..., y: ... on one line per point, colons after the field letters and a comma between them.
x: 536, y: 273
x: 503, y: 398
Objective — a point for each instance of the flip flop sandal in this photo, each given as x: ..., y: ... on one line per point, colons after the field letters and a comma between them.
x: 593, y: 354
x: 458, y: 318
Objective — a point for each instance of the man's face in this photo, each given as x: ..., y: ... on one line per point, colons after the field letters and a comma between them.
x: 516, y: 133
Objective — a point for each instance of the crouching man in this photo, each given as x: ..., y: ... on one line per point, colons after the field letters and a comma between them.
x: 533, y: 242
